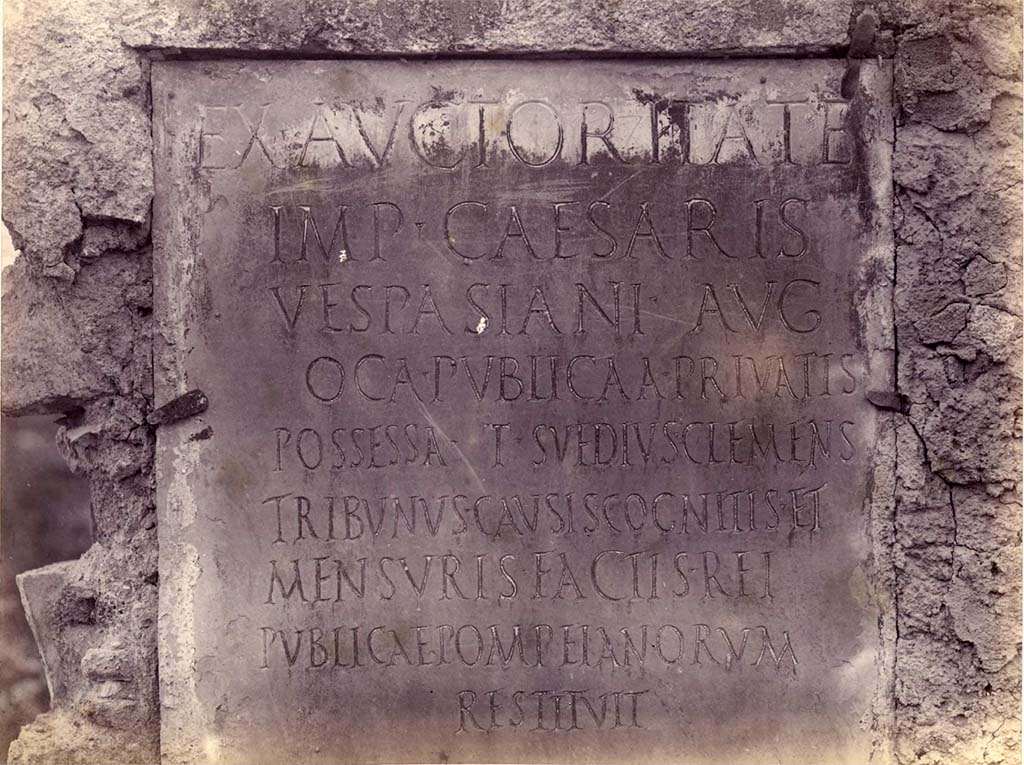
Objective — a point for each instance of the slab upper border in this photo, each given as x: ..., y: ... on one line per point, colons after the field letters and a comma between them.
x: 403, y: 27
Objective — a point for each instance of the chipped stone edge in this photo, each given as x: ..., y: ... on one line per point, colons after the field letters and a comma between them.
x: 31, y: 603
x: 874, y: 110
x: 182, y: 717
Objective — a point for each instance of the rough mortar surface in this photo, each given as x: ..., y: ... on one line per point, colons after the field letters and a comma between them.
x: 78, y: 186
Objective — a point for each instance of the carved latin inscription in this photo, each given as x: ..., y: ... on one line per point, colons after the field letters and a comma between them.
x: 538, y: 411
x: 448, y: 131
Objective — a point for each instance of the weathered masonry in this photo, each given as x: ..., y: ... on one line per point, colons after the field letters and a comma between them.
x: 517, y: 381
x: 539, y: 422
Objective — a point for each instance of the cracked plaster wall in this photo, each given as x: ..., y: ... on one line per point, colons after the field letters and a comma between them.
x: 78, y: 184
x: 957, y: 172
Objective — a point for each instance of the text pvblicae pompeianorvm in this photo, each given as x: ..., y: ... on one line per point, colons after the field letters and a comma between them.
x: 539, y: 424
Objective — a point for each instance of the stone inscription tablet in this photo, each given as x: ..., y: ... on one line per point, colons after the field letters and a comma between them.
x: 538, y: 423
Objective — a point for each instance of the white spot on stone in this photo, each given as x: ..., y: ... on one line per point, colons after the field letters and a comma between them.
x: 481, y: 325
x: 7, y: 251
x: 342, y: 255
x: 211, y: 747
x: 108, y: 689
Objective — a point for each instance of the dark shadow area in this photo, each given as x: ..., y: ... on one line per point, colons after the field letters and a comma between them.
x: 44, y: 518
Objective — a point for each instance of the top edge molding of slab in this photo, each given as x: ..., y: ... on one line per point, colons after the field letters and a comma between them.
x: 830, y: 53
x: 492, y: 27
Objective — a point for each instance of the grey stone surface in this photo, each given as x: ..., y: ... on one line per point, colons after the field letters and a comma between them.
x: 369, y: 268
x: 78, y: 185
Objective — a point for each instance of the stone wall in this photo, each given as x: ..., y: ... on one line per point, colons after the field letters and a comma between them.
x: 958, y: 291
x: 78, y: 186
